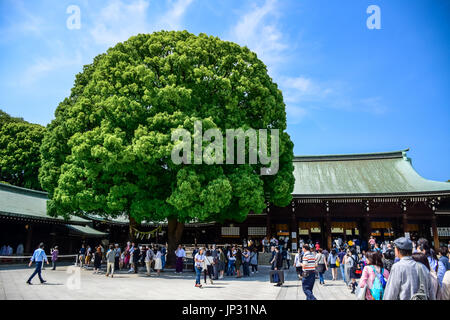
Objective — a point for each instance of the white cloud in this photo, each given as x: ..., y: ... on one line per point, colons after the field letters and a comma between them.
x: 120, y: 20
x: 173, y: 18
x: 43, y: 66
x: 259, y: 31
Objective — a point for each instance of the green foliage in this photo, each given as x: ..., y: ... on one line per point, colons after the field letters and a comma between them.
x: 108, y: 149
x: 19, y: 151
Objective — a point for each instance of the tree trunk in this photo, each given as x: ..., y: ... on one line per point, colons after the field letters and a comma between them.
x: 132, y: 225
x: 174, y: 233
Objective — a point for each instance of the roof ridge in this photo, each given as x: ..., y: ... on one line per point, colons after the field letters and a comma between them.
x: 353, y: 156
x: 6, y: 186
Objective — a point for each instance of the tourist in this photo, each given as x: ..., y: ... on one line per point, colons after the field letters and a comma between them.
x: 404, y: 279
x: 149, y: 257
x: 208, y: 263
x: 82, y: 255
x: 332, y: 258
x: 110, y: 261
x: 38, y: 257
x: 238, y: 263
x: 54, y: 252
x: 283, y: 255
x: 423, y: 246
x: 194, y: 252
x: 351, y: 265
x: 97, y: 259
x: 136, y: 258
x: 215, y: 256
x: 132, y: 258
x: 341, y: 256
x: 246, y: 262
x: 435, y: 286
x: 443, y: 263
x: 198, y: 264
x: 298, y: 264
x: 122, y: 260
x: 348, y: 264
x: 19, y: 250
x: 374, y: 273
x: 231, y: 255
x: 277, y: 263
x: 321, y: 265
x: 265, y: 244
x: 163, y: 257
x: 371, y: 243
x: 445, y: 289
x: 87, y: 260
x: 288, y: 258
x: 309, y: 275
x: 222, y: 263
x: 126, y: 257
x: 117, y: 254
x: 180, y: 254
x: 388, y: 257
x: 158, y: 261
x: 254, y: 260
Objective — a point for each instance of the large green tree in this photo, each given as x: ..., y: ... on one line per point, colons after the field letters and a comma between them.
x: 19, y: 151
x: 108, y: 150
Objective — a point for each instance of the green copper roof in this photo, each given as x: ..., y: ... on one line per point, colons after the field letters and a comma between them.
x: 26, y: 203
x: 388, y: 173
x: 85, y: 230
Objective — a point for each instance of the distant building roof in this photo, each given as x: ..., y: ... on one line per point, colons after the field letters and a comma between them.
x: 371, y: 174
x: 29, y: 204
x: 85, y: 231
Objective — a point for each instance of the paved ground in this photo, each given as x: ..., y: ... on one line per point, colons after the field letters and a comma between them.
x: 60, y: 285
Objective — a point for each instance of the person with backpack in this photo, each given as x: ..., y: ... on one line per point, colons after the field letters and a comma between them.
x: 374, y: 276
x: 408, y: 279
x: 435, y: 287
x: 443, y: 264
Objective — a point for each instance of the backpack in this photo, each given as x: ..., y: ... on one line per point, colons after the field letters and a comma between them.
x: 421, y: 293
x: 379, y: 283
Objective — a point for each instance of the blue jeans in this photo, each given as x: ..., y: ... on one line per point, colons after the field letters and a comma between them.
x: 198, y: 273
x: 37, y: 271
x: 163, y: 261
x: 308, y: 285
x: 321, y: 277
x: 231, y: 268
x: 342, y: 268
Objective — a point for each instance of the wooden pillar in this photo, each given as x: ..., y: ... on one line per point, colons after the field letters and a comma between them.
x: 268, y: 231
x: 368, y: 226
x: 405, y: 223
x: 328, y: 231
x: 28, y: 244
x: 435, y: 232
x: 294, y: 227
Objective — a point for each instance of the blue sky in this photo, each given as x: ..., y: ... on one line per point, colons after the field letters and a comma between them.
x: 348, y: 89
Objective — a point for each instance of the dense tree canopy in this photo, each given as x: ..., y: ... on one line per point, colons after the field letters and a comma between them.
x: 19, y: 151
x: 108, y: 149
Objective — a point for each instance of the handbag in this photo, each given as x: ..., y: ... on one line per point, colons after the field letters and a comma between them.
x: 361, y: 292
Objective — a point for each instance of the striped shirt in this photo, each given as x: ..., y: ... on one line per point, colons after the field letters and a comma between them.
x: 309, y: 261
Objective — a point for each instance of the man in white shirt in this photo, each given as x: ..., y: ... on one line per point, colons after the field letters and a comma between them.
x: 180, y: 254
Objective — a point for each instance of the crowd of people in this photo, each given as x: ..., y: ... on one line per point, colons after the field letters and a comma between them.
x: 398, y: 270
x: 7, y: 250
x: 131, y: 257
x: 401, y: 270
